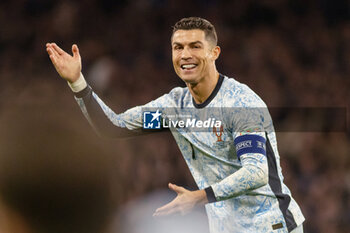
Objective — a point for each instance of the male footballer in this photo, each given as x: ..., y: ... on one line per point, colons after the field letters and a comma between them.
x: 236, y: 166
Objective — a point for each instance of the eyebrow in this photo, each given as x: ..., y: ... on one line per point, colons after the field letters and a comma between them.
x: 191, y: 43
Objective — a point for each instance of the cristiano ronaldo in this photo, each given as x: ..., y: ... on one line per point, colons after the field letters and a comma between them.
x: 238, y: 169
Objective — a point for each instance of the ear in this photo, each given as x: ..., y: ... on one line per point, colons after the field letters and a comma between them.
x: 216, y: 52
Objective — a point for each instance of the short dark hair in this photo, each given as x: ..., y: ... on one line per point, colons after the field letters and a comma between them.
x: 191, y: 23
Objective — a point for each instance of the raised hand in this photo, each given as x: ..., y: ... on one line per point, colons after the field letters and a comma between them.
x: 67, y: 66
x: 184, y: 202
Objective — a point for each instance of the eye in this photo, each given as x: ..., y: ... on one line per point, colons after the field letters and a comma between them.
x: 177, y: 47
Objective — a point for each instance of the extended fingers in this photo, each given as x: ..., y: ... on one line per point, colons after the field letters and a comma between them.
x: 53, y: 59
x: 53, y: 55
x: 165, y: 213
x: 166, y: 210
x: 51, y: 51
x: 57, y: 49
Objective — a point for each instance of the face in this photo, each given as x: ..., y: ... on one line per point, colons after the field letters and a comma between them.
x: 193, y: 55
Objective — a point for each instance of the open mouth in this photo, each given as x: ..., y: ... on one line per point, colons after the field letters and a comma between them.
x: 188, y: 66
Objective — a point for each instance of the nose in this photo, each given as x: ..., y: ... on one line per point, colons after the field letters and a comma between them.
x: 186, y: 53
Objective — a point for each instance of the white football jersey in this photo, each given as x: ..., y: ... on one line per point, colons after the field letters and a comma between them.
x: 232, y: 153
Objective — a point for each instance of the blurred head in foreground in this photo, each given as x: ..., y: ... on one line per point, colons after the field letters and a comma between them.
x: 52, y: 178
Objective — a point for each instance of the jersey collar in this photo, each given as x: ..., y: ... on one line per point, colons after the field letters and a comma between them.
x: 212, y: 95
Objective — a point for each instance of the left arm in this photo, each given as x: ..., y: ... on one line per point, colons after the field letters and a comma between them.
x: 252, y: 175
x: 250, y: 143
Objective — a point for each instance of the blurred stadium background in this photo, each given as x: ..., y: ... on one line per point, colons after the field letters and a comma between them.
x: 292, y: 53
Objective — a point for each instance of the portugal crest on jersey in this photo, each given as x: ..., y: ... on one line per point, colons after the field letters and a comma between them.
x: 218, y: 134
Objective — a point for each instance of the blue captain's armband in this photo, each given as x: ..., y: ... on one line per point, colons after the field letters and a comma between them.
x: 250, y: 143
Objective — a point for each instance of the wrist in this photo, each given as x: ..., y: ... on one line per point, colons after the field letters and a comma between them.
x: 201, y: 197
x: 78, y: 85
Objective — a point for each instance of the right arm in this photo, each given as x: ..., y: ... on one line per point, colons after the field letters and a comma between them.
x: 103, y: 120
x: 99, y: 115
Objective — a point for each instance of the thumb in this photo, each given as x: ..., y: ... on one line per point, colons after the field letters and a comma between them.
x: 75, y: 51
x: 176, y: 188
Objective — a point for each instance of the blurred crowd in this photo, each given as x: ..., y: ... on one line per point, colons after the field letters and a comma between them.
x: 292, y: 53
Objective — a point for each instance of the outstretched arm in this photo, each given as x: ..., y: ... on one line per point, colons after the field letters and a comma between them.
x: 69, y: 68
x: 100, y: 116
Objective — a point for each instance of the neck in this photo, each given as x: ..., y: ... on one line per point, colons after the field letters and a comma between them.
x: 201, y: 91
